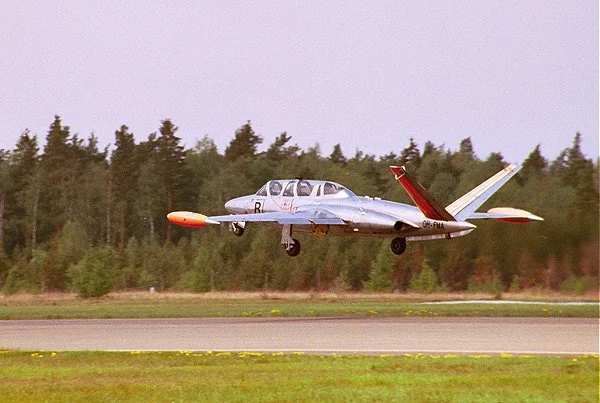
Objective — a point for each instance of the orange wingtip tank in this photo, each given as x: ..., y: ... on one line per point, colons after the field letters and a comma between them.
x: 189, y: 219
x: 509, y: 214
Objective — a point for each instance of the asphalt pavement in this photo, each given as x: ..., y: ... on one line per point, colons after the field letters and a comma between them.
x: 555, y: 336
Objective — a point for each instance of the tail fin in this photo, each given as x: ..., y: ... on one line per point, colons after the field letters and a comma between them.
x: 421, y: 197
x: 465, y: 206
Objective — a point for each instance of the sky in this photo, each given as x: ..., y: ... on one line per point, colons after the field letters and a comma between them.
x: 366, y: 74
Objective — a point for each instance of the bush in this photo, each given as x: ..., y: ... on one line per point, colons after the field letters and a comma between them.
x: 492, y: 286
x: 341, y: 284
x: 24, y: 274
x: 93, y: 275
x: 197, y: 278
x: 574, y: 285
x: 426, y: 281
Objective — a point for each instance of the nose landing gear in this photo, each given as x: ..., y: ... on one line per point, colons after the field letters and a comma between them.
x: 237, y: 228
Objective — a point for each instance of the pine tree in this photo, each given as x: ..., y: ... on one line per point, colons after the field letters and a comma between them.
x: 278, y: 152
x: 244, y: 144
x: 150, y: 193
x: 337, y: 156
x: 411, y: 156
x: 382, y: 269
x: 575, y: 162
x: 428, y: 149
x: 4, y: 189
x: 56, y: 173
x: 24, y: 179
x: 171, y: 159
x: 462, y: 160
x: 534, y: 165
x: 124, y: 171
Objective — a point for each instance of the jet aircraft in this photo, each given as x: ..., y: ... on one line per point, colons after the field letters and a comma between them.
x: 327, y: 208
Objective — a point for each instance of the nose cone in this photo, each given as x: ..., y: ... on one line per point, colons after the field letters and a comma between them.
x: 235, y: 206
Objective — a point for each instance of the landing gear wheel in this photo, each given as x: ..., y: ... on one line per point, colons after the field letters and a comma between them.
x: 398, y: 245
x: 293, y: 249
x: 237, y: 229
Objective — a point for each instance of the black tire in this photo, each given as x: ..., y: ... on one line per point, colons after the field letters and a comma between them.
x: 398, y: 245
x: 236, y: 229
x: 293, y: 250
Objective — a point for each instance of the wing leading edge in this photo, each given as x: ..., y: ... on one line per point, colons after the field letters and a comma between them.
x: 307, y: 217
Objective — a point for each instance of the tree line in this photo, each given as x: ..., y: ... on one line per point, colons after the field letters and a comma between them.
x: 75, y: 217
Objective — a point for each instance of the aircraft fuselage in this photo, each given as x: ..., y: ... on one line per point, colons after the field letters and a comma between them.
x: 364, y: 216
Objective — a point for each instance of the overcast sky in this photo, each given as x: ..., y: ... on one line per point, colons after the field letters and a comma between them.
x: 368, y: 75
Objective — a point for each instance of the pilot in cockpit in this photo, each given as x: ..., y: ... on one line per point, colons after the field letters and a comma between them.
x: 304, y: 188
x: 275, y: 188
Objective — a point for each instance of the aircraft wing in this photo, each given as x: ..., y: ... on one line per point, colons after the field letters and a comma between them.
x: 302, y: 217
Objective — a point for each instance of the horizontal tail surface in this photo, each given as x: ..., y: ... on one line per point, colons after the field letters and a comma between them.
x: 465, y: 206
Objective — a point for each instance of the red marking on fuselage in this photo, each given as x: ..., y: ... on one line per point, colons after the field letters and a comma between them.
x: 287, y: 204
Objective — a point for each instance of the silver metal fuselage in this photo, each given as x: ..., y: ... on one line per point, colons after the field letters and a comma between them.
x: 363, y: 216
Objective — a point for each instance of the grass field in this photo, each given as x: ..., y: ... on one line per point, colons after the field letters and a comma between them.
x: 173, y: 305
x: 211, y: 376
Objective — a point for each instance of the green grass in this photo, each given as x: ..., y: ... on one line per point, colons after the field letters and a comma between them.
x: 236, y: 305
x: 247, y: 377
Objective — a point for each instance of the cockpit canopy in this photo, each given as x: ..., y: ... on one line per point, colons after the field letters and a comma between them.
x: 303, y: 187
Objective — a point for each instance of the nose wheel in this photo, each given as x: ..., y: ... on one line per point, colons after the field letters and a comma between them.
x: 398, y: 245
x: 237, y: 228
x: 292, y: 249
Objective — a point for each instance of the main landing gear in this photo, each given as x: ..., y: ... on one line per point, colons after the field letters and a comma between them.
x: 292, y: 249
x: 398, y: 245
x: 291, y: 245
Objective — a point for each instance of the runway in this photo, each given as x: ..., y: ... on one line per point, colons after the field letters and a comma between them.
x: 555, y: 336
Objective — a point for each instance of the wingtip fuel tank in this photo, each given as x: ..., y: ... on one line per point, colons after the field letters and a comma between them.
x: 189, y: 219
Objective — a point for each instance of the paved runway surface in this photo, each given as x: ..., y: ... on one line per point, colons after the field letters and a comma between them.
x: 319, y: 335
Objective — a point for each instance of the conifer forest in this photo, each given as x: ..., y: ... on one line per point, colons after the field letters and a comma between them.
x: 77, y: 218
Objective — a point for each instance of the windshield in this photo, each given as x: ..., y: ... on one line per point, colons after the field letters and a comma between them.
x: 262, y: 191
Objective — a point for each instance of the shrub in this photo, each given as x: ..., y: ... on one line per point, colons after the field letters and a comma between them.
x: 93, y: 275
x: 426, y: 281
x: 341, y: 283
x: 574, y: 285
